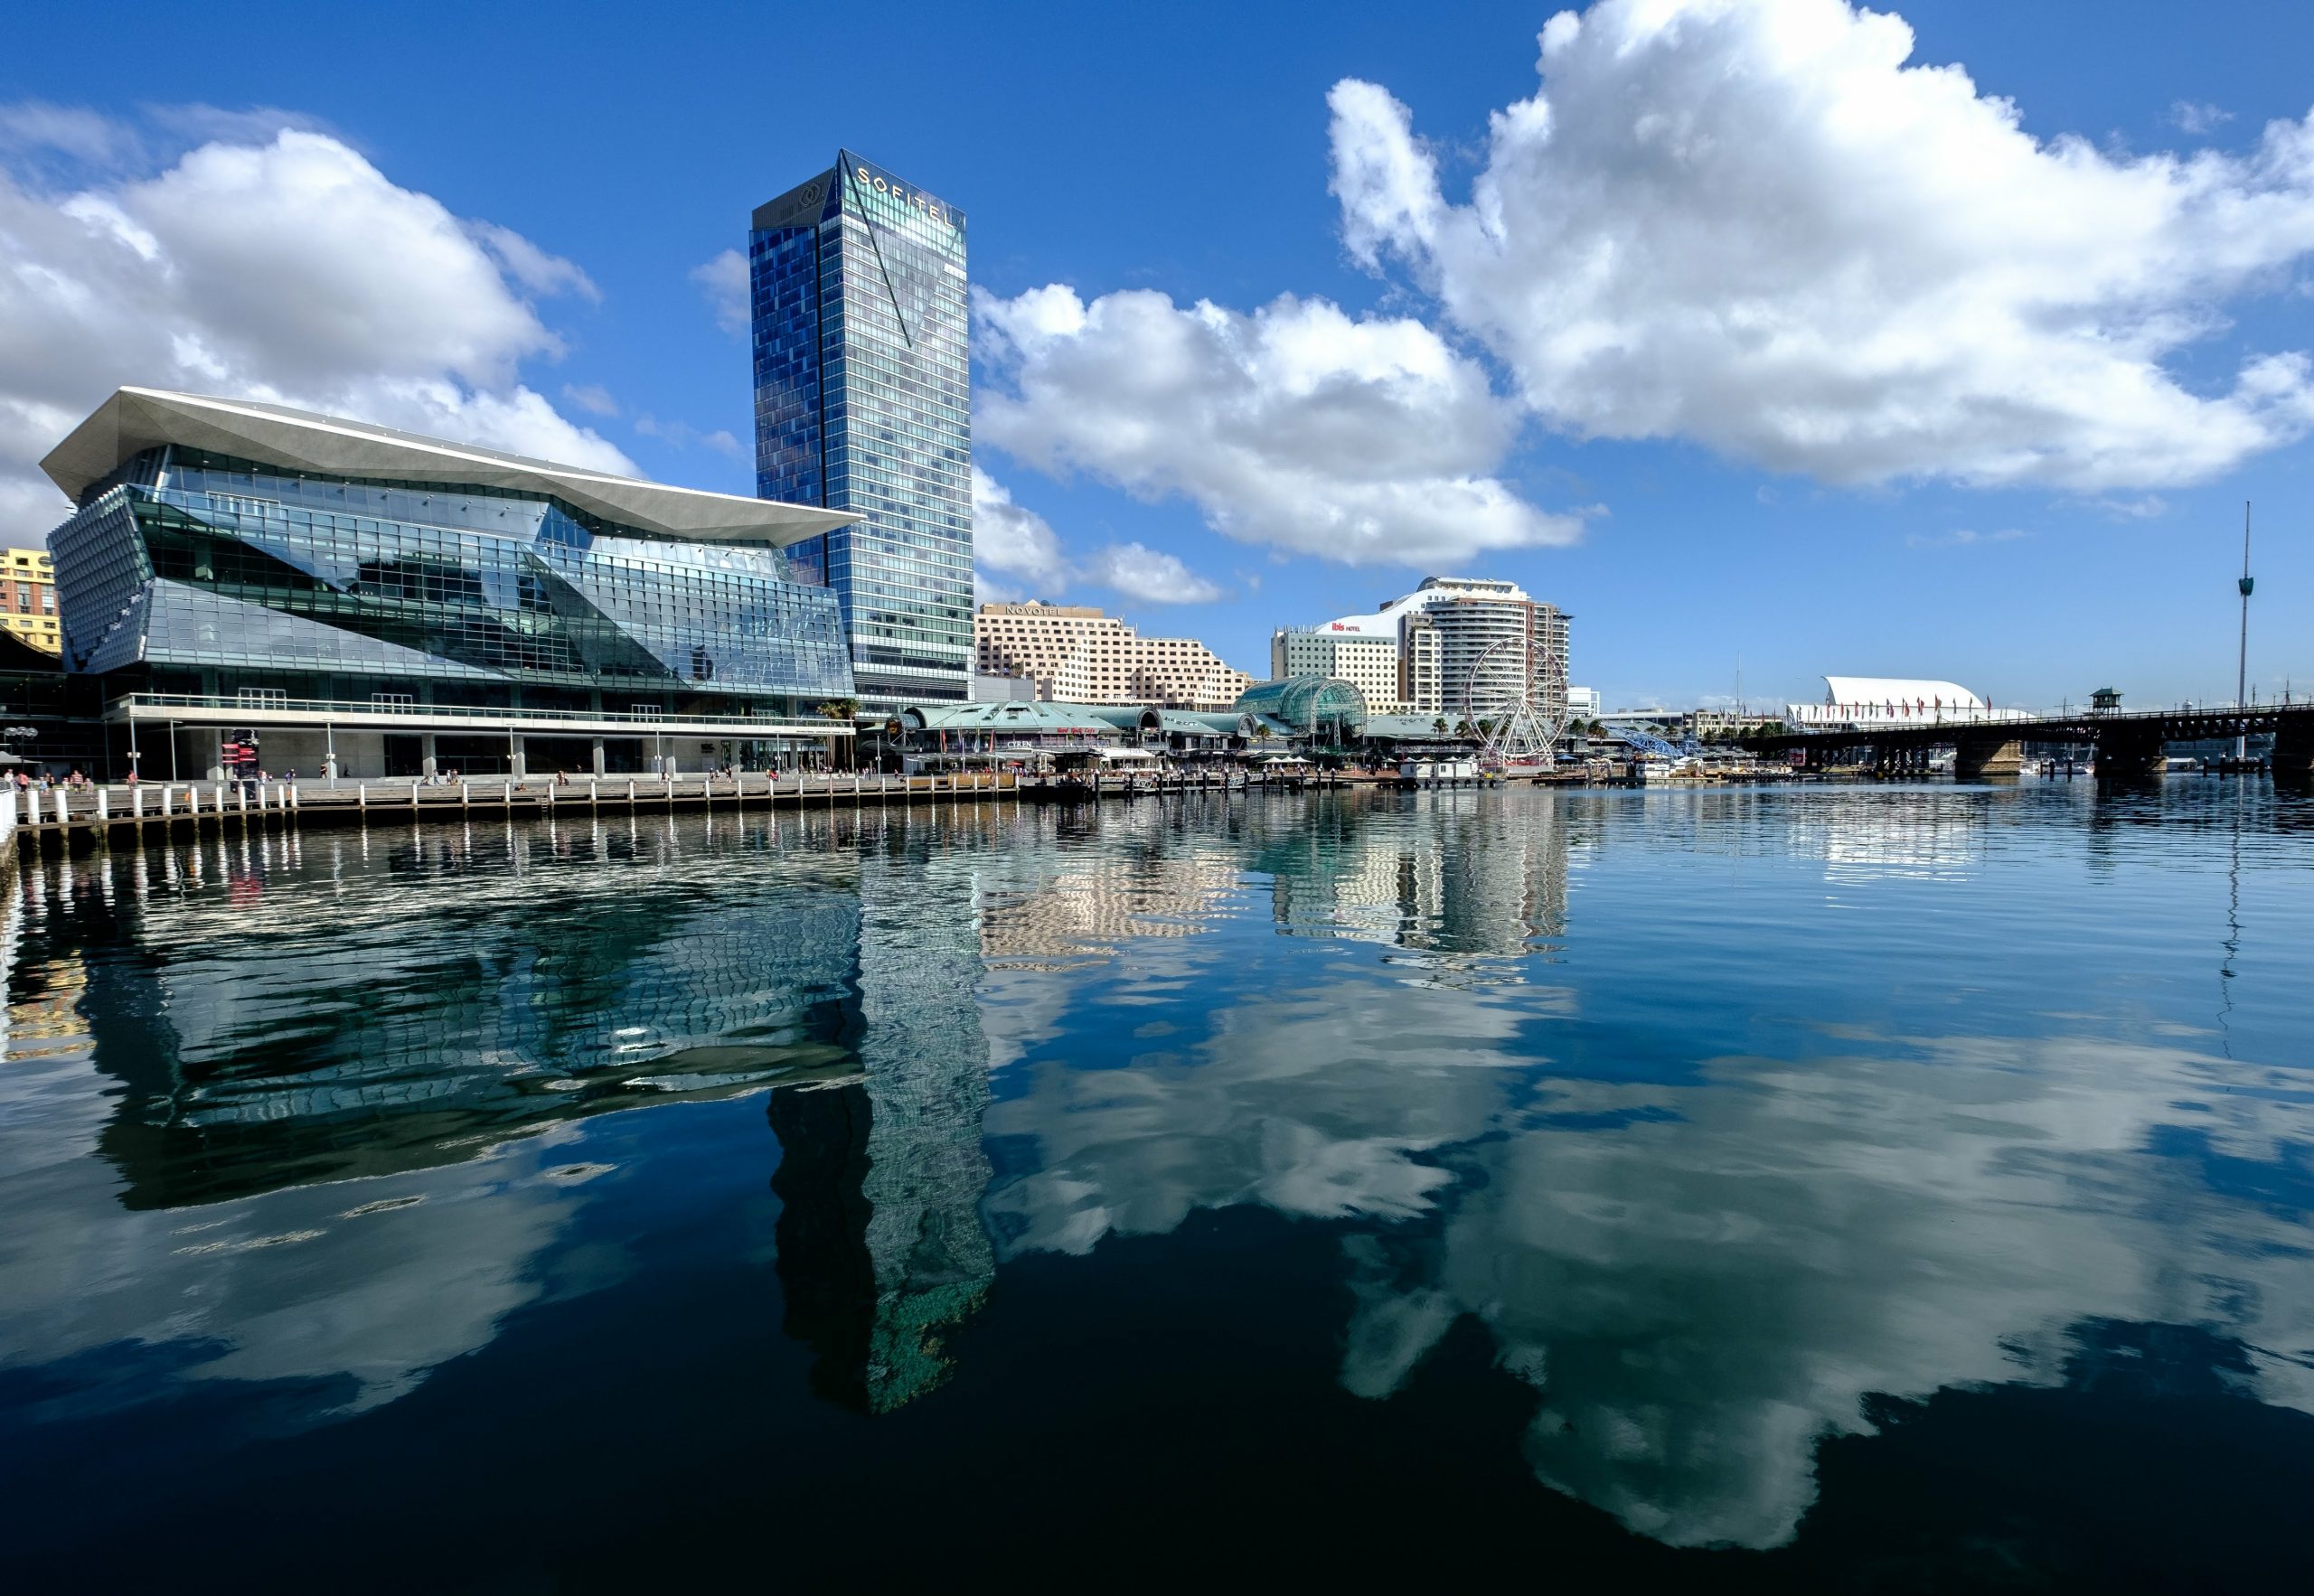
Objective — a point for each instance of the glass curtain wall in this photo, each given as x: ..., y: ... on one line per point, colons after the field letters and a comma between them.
x: 209, y: 570
x: 863, y: 403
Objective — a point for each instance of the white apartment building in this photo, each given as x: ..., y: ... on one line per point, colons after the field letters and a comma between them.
x: 1461, y: 643
x: 1421, y: 683
x: 1077, y: 655
x: 1367, y: 661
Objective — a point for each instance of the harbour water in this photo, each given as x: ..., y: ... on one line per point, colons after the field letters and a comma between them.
x: 1884, y: 1189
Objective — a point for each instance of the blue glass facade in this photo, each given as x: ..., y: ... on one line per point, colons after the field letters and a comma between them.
x: 205, y: 574
x: 863, y: 398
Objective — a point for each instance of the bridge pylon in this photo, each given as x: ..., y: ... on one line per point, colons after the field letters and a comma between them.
x: 2293, y: 754
x: 2125, y: 752
x: 1989, y: 754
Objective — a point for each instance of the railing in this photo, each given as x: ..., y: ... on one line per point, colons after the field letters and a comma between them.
x: 358, y: 708
x: 1879, y: 716
x: 2181, y: 722
x: 104, y: 804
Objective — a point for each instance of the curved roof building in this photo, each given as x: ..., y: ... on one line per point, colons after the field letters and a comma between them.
x: 1866, y: 701
x: 301, y: 443
x: 1307, y: 703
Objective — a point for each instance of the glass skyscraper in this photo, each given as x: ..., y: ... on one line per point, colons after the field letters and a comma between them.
x: 863, y: 403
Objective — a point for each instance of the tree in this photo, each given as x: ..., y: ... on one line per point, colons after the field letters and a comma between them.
x: 1439, y: 726
x: 839, y: 711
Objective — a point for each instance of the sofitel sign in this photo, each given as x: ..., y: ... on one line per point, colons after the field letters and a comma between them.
x: 867, y: 177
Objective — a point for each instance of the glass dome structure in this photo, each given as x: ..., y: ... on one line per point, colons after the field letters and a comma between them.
x: 1322, y: 707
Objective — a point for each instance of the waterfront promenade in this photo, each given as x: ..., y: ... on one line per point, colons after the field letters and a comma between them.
x: 94, y: 813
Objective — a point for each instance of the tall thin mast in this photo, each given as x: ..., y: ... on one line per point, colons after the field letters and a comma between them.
x: 2241, y: 665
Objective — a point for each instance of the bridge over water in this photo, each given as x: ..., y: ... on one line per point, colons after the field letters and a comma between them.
x: 2128, y: 742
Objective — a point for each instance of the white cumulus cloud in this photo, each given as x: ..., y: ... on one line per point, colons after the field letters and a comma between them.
x: 591, y: 397
x: 290, y: 270
x: 1016, y: 555
x: 1363, y: 440
x: 723, y: 283
x: 2198, y: 118
x: 1150, y: 575
x: 1754, y: 226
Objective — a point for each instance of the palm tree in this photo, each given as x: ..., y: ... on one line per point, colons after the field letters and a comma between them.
x: 838, y: 711
x: 1439, y: 726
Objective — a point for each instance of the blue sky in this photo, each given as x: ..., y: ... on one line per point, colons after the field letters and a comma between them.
x: 544, y: 187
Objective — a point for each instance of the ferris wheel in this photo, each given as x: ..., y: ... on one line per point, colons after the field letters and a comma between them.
x: 1524, y: 730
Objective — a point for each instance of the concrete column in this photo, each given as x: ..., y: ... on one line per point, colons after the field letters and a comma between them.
x: 426, y: 753
x: 2294, y: 746
x: 2126, y: 753
x: 212, y: 748
x: 1978, y: 757
x: 517, y: 759
x: 598, y: 752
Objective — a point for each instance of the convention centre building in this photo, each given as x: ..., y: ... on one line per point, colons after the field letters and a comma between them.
x: 372, y: 603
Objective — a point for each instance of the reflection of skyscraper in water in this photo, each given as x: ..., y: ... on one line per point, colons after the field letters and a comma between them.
x: 1458, y: 886
x: 882, y: 1250
x: 1055, y: 910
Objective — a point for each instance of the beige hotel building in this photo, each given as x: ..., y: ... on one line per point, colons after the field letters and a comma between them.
x: 1077, y: 654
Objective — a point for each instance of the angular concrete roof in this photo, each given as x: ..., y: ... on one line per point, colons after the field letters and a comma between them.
x: 137, y: 419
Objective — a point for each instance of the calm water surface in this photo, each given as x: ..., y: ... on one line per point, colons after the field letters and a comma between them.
x: 1890, y: 1189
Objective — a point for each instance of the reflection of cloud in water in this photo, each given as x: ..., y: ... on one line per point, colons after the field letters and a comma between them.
x: 1700, y: 1281
x: 1697, y: 1298
x: 1315, y: 1104
x: 374, y: 1282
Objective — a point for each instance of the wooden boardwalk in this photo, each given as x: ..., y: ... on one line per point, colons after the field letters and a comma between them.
x: 67, y: 814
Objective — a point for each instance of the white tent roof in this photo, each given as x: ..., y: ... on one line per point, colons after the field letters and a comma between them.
x: 1899, y: 690
x: 134, y: 419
